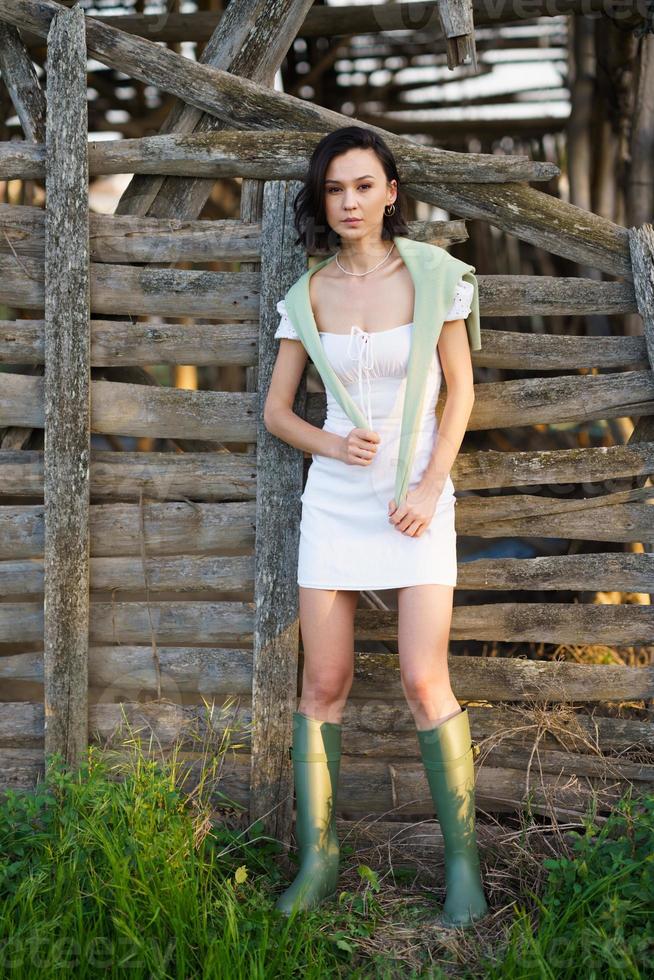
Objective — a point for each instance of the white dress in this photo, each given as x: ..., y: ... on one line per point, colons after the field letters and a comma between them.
x: 346, y: 538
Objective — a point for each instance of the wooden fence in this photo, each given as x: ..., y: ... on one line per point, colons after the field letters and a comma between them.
x: 137, y: 585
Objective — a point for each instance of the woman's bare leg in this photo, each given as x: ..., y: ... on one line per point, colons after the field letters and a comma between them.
x: 424, y: 619
x: 327, y: 626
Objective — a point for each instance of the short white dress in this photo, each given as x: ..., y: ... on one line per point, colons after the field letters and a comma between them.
x: 346, y: 538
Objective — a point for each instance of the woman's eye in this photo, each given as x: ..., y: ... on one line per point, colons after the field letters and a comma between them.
x: 330, y: 189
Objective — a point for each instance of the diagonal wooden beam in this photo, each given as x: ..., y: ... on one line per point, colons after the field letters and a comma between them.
x: 29, y: 102
x: 22, y: 83
x: 539, y: 218
x: 250, y: 42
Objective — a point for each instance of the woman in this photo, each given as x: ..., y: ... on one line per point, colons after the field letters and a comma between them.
x: 353, y: 534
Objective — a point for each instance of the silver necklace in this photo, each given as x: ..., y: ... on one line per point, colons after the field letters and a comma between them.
x: 367, y: 273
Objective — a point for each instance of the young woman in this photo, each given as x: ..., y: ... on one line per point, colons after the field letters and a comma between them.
x: 353, y: 534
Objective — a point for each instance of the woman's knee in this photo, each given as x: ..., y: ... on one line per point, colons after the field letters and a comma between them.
x: 424, y: 685
x: 327, y: 687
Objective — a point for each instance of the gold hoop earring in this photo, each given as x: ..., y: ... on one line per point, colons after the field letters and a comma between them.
x: 389, y: 213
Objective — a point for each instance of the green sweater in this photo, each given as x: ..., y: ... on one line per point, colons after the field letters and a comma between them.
x: 435, y: 275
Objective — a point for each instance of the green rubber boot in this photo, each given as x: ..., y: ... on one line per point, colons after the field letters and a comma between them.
x: 448, y: 757
x: 316, y: 763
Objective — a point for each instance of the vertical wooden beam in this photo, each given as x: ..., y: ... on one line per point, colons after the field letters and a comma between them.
x: 640, y: 175
x: 641, y: 248
x: 67, y: 392
x: 278, y: 512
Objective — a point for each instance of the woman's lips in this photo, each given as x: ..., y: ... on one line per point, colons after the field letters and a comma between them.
x: 352, y: 221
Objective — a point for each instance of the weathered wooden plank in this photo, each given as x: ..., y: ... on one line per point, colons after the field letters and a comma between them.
x: 384, y: 843
x: 202, y: 477
x: 194, y: 728
x: 459, y: 32
x: 189, y: 527
x: 67, y: 369
x: 232, y: 476
x: 505, y: 790
x: 372, y: 786
x: 118, y: 342
x: 141, y: 410
x: 137, y: 290
x: 538, y: 218
x: 245, y: 104
x: 374, y: 729
x: 345, y: 19
x: 556, y: 623
x: 128, y: 238
x: 279, y: 485
x: 171, y: 528
x: 208, y: 670
x: 501, y: 404
x: 626, y: 515
x: 131, y: 238
x: 189, y: 292
x: 28, y: 98
x: 385, y: 728
x: 277, y: 154
x: 552, y: 295
x: 490, y: 468
x: 525, y: 755
x: 203, y: 573
x: 22, y: 83
x: 565, y: 399
x: 598, y: 572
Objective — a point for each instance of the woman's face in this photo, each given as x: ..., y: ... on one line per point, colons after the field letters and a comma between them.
x: 356, y: 188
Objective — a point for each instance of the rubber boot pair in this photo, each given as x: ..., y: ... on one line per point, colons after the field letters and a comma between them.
x: 316, y: 754
x: 448, y: 757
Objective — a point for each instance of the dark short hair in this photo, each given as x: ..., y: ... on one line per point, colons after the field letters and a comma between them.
x: 310, y: 219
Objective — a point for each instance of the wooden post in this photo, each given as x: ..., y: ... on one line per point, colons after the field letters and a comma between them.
x: 279, y: 482
x: 67, y: 393
x: 641, y: 247
x: 457, y: 21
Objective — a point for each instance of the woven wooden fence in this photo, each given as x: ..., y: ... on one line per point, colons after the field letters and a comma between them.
x: 159, y: 589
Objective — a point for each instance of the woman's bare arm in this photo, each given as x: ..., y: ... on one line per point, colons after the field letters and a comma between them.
x: 278, y: 415
x: 454, y: 351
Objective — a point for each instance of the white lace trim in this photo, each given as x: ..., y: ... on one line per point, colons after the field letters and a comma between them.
x: 459, y: 309
x: 285, y: 328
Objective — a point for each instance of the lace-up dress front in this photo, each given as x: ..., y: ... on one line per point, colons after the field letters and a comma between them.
x: 346, y: 539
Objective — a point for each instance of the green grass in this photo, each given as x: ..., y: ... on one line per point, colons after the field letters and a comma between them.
x: 595, y: 915
x: 107, y: 877
x: 114, y: 872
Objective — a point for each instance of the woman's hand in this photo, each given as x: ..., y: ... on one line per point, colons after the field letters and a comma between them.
x: 359, y: 447
x: 415, y: 514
